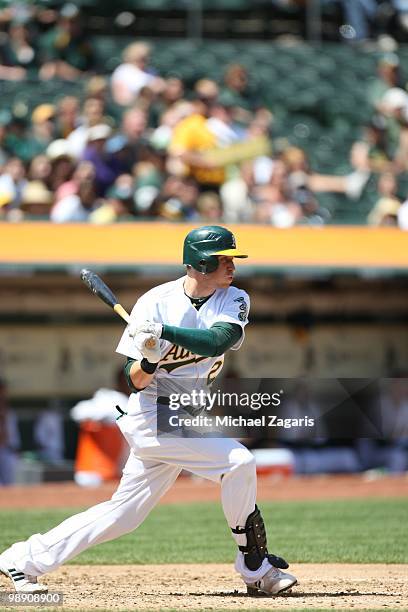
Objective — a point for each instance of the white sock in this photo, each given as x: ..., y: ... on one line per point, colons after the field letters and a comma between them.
x: 250, y: 576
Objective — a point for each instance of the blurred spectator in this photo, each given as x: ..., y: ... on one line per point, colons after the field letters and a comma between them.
x: 388, y: 76
x: 243, y: 98
x: 401, y: 154
x: 5, y: 120
x: 98, y: 87
x: 9, y: 439
x: 76, y: 207
x: 107, y: 168
x: 36, y: 200
x: 387, y: 185
x: 237, y: 203
x: 206, y: 90
x: 401, y: 8
x: 391, y: 451
x: 385, y: 212
x: 207, y: 128
x: 274, y: 203
x: 18, y: 54
x: 402, y: 216
x: 62, y: 163
x: 128, y: 145
x: 118, y: 204
x: 162, y: 135
x: 221, y: 122
x: 16, y: 140
x: 66, y: 49
x: 394, y: 104
x: 25, y: 142
x: 13, y: 180
x: 93, y: 111
x: 209, y: 208
x: 40, y: 169
x: 386, y: 208
x: 149, y: 179
x: 5, y: 207
x: 376, y: 143
x: 67, y: 116
x: 133, y: 126
x: 132, y: 75
x: 85, y: 171
x: 43, y: 128
x: 172, y: 93
x: 176, y: 200
x: 48, y: 435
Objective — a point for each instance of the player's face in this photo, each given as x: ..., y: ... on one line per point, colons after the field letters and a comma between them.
x: 224, y: 274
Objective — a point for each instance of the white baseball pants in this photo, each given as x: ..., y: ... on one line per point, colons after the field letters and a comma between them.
x: 148, y: 474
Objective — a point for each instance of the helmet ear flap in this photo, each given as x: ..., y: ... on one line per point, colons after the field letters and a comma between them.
x: 203, y: 266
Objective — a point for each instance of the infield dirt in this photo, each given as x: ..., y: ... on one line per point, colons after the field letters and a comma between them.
x: 218, y: 587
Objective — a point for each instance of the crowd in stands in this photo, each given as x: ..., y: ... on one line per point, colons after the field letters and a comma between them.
x: 142, y: 145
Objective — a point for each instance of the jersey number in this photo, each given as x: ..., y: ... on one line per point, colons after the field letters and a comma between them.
x: 212, y: 375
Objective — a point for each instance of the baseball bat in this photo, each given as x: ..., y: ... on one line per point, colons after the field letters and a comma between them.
x: 101, y: 289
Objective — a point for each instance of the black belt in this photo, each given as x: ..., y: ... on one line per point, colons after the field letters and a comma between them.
x: 164, y: 401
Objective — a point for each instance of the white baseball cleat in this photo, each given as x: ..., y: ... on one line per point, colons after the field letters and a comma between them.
x: 274, y: 582
x: 22, y: 583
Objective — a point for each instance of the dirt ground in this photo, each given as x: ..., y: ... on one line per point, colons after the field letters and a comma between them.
x: 187, y: 489
x: 218, y: 587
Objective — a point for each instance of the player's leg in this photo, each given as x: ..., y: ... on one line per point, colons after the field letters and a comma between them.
x: 142, y: 484
x: 229, y: 463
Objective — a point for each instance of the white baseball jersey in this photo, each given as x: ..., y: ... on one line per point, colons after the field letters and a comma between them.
x: 168, y: 304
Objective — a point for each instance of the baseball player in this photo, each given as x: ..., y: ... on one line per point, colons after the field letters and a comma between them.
x: 178, y: 330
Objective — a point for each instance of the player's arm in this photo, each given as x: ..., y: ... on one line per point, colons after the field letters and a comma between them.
x: 137, y: 378
x: 205, y: 342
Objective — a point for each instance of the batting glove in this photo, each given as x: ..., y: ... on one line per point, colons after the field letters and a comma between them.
x: 147, y: 327
x: 149, y: 346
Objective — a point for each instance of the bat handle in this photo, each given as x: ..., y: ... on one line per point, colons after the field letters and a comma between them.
x: 118, y: 308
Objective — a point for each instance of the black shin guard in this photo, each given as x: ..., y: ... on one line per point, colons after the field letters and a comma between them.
x: 256, y: 550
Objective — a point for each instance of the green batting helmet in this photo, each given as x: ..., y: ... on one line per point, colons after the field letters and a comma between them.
x: 202, y: 245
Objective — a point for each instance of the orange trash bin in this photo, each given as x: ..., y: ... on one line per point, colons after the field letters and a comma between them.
x: 99, y: 451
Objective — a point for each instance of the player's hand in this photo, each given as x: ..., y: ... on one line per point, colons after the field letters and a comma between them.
x: 149, y: 346
x: 147, y: 327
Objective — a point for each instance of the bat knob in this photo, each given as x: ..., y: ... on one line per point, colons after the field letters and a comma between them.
x: 151, y: 343
x: 85, y: 273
